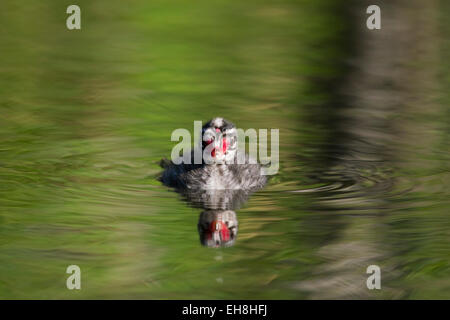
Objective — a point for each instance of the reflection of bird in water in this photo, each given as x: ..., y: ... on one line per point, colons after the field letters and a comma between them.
x: 217, y: 228
x: 217, y: 225
x: 220, y: 184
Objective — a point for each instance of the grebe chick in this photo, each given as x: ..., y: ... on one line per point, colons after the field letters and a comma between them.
x: 219, y: 168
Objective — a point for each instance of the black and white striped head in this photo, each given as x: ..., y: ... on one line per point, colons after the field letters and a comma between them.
x: 219, y: 141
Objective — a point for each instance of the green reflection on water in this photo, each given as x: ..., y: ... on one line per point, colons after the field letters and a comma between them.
x: 87, y: 115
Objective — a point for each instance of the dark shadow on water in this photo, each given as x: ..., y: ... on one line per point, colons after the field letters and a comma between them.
x: 357, y: 155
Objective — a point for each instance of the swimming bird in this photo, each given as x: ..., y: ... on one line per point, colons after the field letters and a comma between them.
x: 222, y: 167
x: 220, y: 183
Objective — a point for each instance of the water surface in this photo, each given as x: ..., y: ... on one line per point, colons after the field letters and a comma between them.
x: 364, y: 157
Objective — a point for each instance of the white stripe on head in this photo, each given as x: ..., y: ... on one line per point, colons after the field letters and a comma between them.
x: 217, y: 122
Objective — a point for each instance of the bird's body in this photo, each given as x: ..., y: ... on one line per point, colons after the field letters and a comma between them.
x: 247, y: 176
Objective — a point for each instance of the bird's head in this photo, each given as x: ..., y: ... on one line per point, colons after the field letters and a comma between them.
x: 219, y: 141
